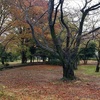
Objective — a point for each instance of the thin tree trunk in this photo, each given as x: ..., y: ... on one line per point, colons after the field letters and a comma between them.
x: 97, y: 67
x: 24, y: 59
x: 31, y: 58
x: 2, y: 60
x: 85, y: 62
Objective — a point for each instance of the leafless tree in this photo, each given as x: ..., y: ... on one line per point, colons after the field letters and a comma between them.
x: 67, y: 53
x: 5, y: 20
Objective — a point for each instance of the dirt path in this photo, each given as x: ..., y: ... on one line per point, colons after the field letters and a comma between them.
x: 42, y: 82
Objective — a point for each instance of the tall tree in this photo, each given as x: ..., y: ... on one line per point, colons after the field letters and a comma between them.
x: 65, y: 39
x: 68, y: 54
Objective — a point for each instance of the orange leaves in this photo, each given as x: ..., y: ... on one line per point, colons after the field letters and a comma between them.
x: 57, y: 27
x: 25, y: 36
x: 37, y: 29
x: 36, y: 10
x: 20, y: 23
x: 15, y: 12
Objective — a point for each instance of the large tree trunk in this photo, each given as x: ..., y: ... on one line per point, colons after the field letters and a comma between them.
x: 68, y: 71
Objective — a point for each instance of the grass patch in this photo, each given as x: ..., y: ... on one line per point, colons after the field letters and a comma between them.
x: 5, y: 95
x: 88, y: 70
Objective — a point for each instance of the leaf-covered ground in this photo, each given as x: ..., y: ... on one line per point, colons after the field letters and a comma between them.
x: 42, y: 82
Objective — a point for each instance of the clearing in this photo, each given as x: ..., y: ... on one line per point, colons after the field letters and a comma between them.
x: 42, y: 82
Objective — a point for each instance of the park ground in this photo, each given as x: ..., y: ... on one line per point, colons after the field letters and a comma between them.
x: 43, y: 82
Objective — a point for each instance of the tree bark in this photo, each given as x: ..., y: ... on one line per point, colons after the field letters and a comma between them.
x: 97, y: 67
x: 85, y: 62
x: 68, y: 71
x: 24, y: 59
x: 31, y: 58
x: 2, y: 60
x: 75, y: 65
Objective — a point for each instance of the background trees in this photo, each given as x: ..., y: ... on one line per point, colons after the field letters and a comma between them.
x: 87, y: 52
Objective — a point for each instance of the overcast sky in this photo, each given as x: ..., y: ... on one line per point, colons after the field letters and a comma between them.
x: 77, y: 3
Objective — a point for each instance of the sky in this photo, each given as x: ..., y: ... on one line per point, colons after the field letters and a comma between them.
x: 77, y: 3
